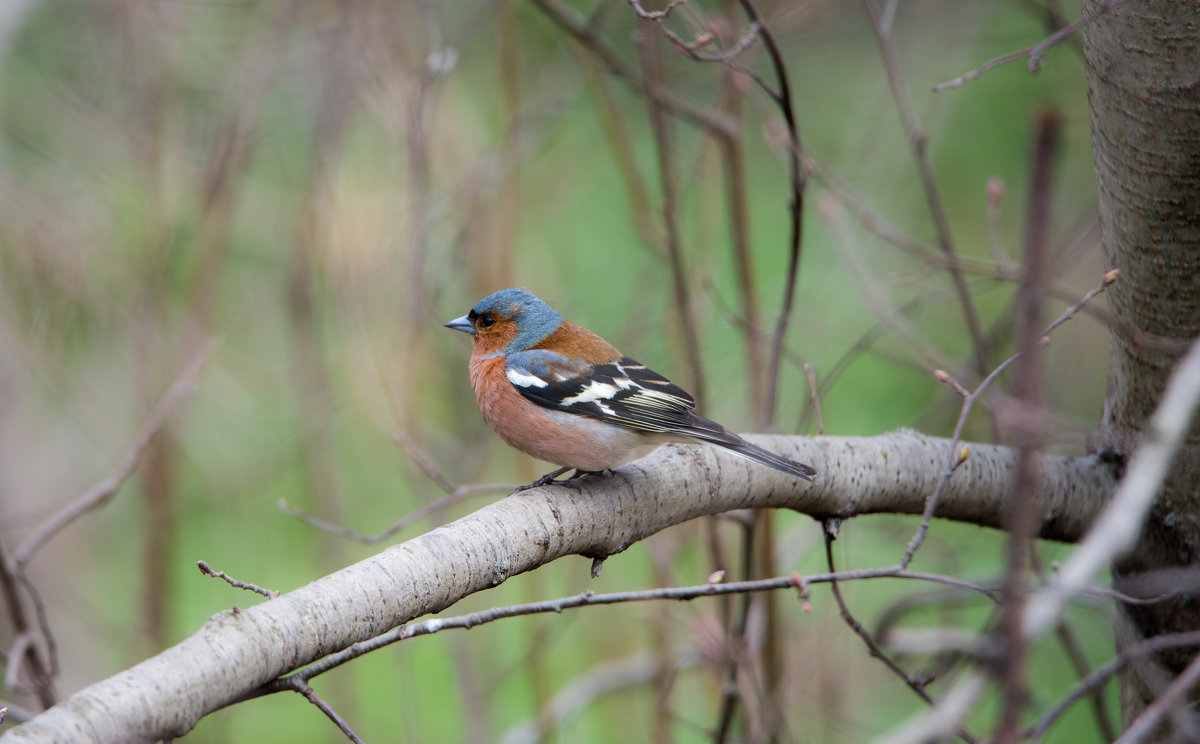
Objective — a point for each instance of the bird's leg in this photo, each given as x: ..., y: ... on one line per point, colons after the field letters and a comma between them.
x: 547, y: 478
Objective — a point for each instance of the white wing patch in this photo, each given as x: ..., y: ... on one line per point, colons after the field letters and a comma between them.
x: 594, y: 392
x: 521, y: 378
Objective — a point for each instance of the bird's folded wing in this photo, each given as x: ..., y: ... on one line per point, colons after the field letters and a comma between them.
x: 624, y: 393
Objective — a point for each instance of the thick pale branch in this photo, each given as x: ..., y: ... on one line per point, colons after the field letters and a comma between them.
x: 238, y: 651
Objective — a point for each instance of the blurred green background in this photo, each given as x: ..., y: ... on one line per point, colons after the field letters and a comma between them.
x: 318, y: 186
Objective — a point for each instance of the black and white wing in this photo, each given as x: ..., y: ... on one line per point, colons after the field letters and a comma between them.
x: 628, y: 394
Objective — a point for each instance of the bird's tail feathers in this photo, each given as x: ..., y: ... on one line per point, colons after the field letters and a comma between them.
x: 713, y: 433
x: 770, y: 459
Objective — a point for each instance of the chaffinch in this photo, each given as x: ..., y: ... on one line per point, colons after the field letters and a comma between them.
x: 563, y: 394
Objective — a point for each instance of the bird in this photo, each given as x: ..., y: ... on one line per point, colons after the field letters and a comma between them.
x: 560, y: 393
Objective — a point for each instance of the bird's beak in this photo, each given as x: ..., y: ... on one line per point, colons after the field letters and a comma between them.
x: 462, y: 324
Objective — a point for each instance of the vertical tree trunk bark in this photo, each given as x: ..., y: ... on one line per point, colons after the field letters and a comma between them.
x: 1143, y: 71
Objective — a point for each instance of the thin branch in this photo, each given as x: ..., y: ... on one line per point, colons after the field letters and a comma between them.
x: 954, y: 457
x: 814, y: 396
x: 99, y: 494
x: 615, y: 62
x: 660, y: 126
x: 1175, y: 696
x: 301, y: 686
x: 876, y: 298
x: 1029, y: 425
x: 1035, y: 53
x: 1078, y: 658
x: 1097, y: 679
x: 655, y: 15
x: 21, y: 645
x: 18, y: 615
x: 1116, y: 529
x: 735, y: 639
x: 588, y: 598
x: 919, y: 141
x: 208, y: 570
x: 423, y: 461
x: 873, y: 648
x: 1113, y: 533
x: 797, y: 181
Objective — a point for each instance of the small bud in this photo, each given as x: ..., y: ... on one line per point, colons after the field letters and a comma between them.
x: 995, y: 190
x: 1111, y: 276
x: 801, y: 589
x: 941, y: 376
x: 716, y: 577
x: 1044, y: 341
x: 963, y: 455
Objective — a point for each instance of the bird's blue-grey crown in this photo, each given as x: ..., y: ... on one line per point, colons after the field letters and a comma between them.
x: 535, y: 319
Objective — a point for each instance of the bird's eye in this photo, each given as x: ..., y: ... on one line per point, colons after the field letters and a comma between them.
x: 487, y: 321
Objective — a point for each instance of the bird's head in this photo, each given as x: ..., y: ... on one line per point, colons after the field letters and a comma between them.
x: 508, y: 321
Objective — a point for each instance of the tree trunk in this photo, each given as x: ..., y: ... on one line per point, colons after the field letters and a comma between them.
x: 1143, y: 70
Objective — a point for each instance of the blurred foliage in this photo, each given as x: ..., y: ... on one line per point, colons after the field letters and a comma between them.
x: 319, y: 186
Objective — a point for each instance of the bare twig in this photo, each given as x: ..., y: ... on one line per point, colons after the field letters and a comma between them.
x: 1027, y: 387
x: 1094, y: 681
x: 954, y: 457
x: 1035, y: 53
x: 814, y: 397
x: 873, y: 648
x: 99, y: 494
x: 735, y: 637
x: 877, y: 301
x: 301, y: 686
x: 797, y: 181
x: 1112, y: 534
x: 423, y: 461
x: 1078, y: 658
x: 655, y: 15
x: 208, y: 570
x: 1175, y: 696
x: 660, y: 125
x: 937, y: 211
x: 1116, y: 529
x: 21, y: 645
x: 615, y: 62
x: 587, y: 599
x: 41, y: 673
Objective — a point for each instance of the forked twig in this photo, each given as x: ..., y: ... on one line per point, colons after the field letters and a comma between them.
x: 955, y: 457
x: 1035, y: 53
x: 208, y: 570
x: 873, y: 648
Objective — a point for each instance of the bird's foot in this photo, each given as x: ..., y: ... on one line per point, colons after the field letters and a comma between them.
x: 547, y: 478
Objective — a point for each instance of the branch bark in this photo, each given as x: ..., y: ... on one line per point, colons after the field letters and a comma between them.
x: 237, y: 651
